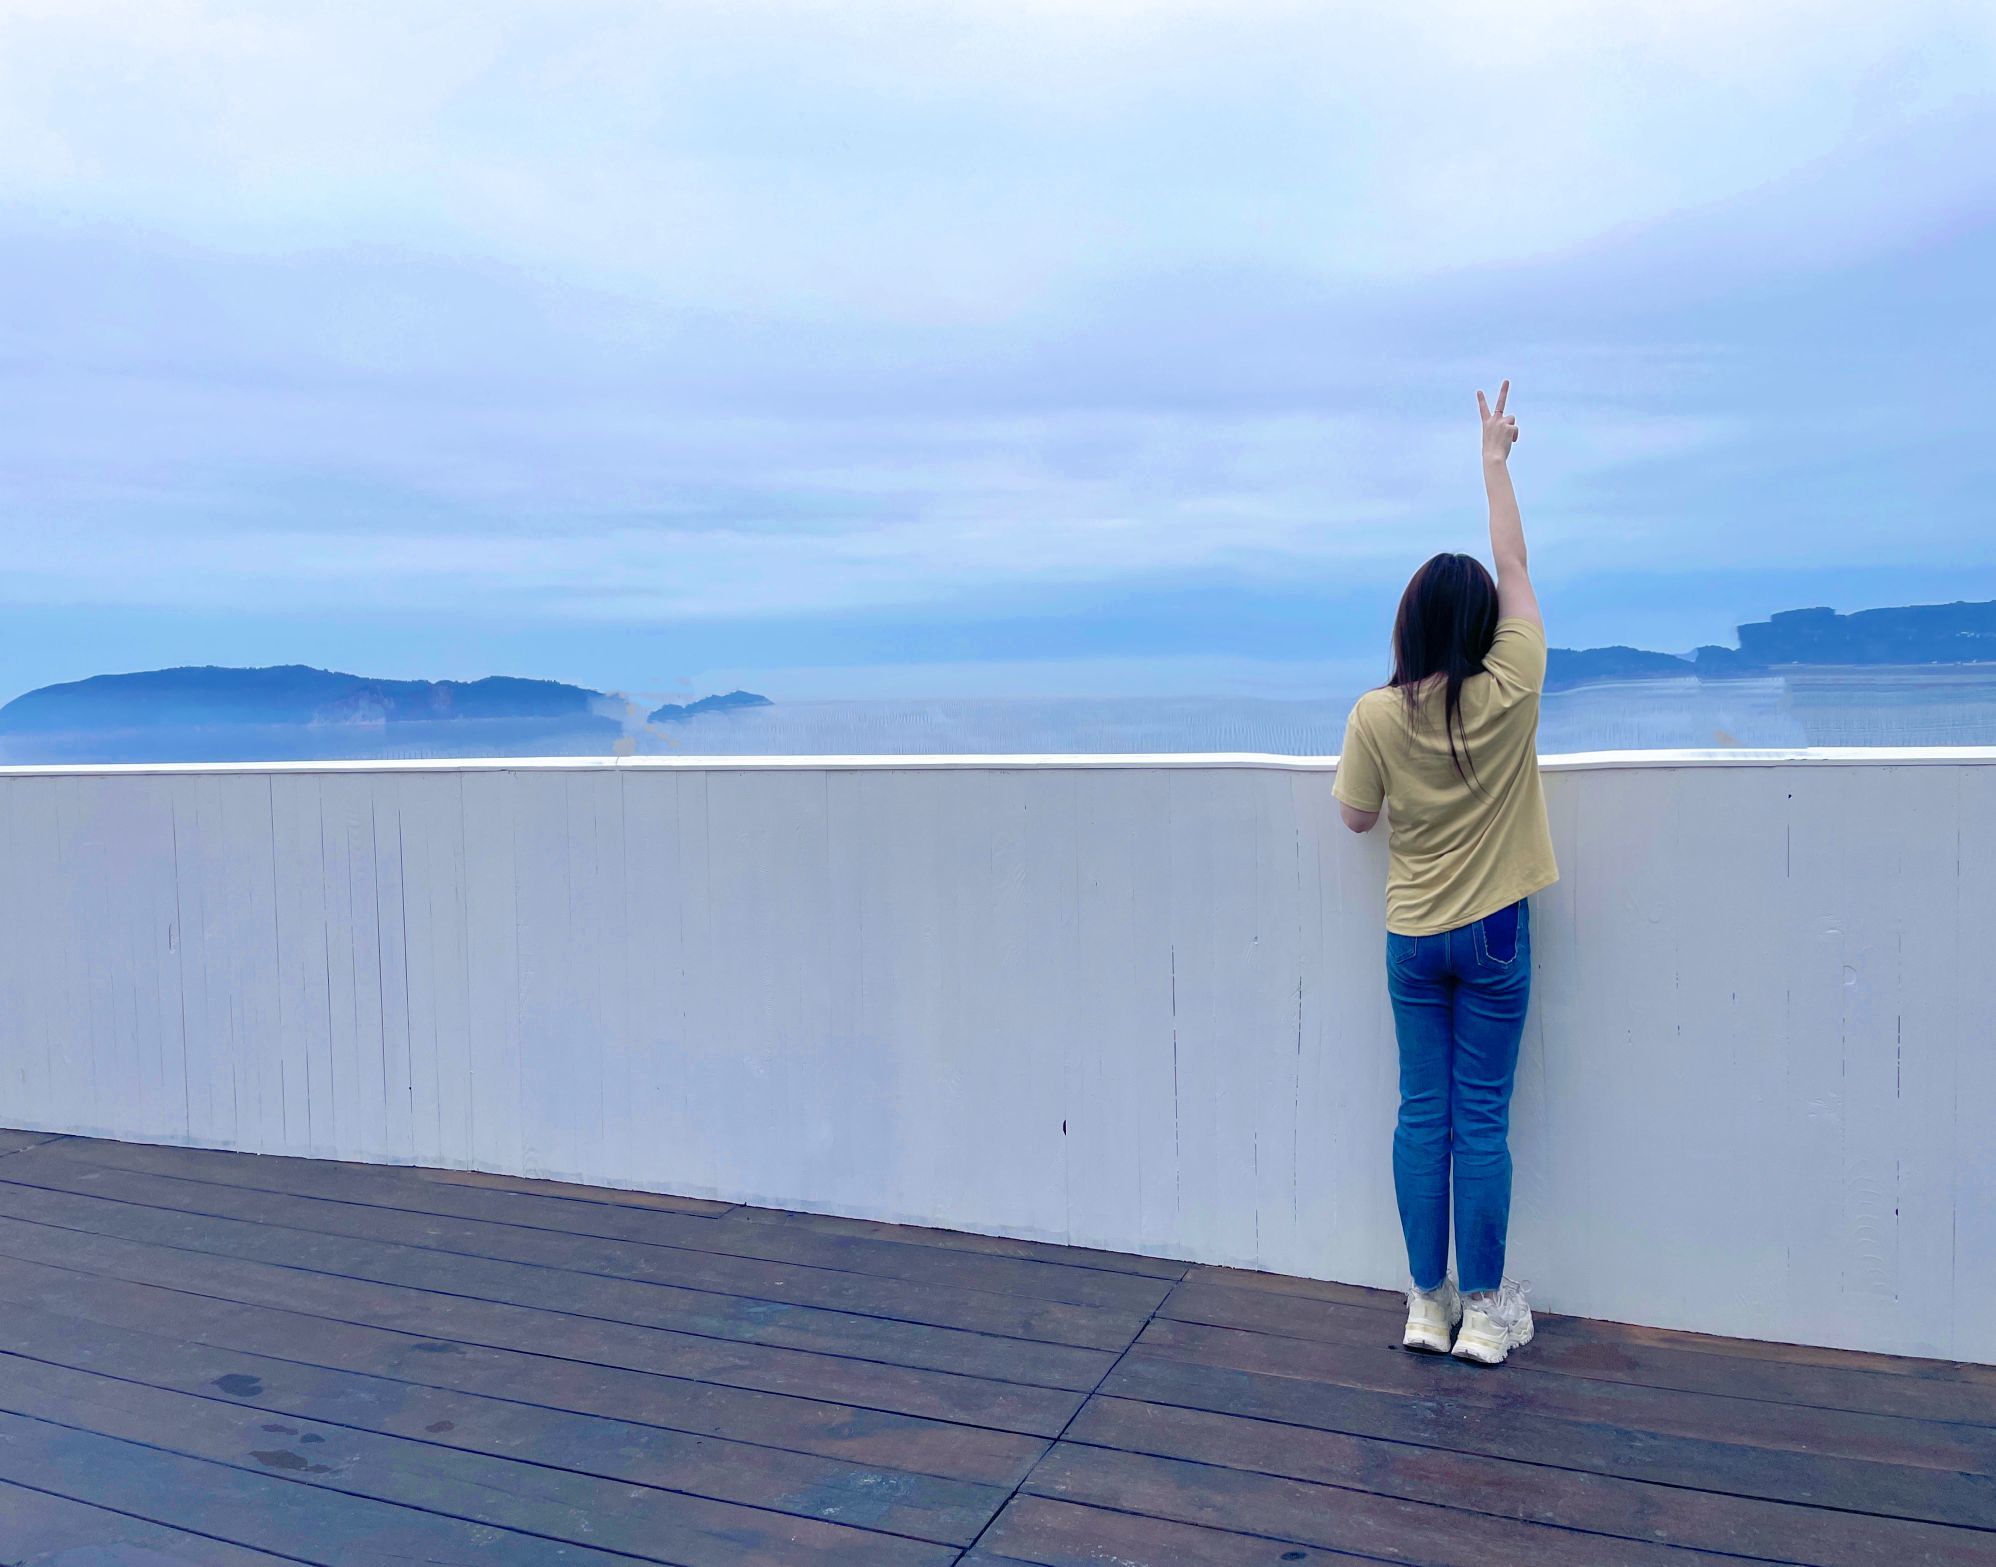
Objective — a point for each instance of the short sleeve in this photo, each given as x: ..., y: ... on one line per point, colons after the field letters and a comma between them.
x: 1360, y: 782
x: 1517, y: 657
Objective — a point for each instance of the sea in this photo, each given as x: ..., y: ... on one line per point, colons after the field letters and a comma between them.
x: 1867, y: 707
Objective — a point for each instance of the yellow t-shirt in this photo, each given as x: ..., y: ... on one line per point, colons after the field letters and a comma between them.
x: 1457, y: 851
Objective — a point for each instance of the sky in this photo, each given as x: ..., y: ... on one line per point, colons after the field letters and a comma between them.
x: 933, y: 347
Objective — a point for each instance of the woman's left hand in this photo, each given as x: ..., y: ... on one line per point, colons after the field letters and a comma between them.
x: 1500, y: 430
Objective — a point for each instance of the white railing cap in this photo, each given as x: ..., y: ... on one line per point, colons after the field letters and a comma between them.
x: 1579, y: 761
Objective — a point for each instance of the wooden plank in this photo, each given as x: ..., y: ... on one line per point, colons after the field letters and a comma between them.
x: 870, y: 1438
x: 702, y: 1282
x: 1892, y: 1490
x: 269, y: 1511
x: 1364, y: 1524
x: 604, y: 1196
x: 1593, y: 1330
x: 905, y: 1390
x: 535, y: 1501
x: 1052, y: 1533
x: 969, y: 1240
x: 36, y: 1527
x: 1289, y: 1284
x: 1538, y: 1492
x: 1597, y: 1330
x: 387, y: 1248
x: 1278, y: 1314
x: 896, y: 1501
x: 1602, y: 1357
x: 725, y: 1234
x: 1882, y: 1439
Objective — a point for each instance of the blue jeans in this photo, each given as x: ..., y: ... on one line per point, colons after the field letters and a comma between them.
x: 1459, y: 1010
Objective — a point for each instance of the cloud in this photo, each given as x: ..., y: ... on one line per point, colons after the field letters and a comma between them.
x: 600, y: 311
x: 943, y: 163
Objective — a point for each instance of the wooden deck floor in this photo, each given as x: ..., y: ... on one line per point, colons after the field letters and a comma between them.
x: 223, y: 1359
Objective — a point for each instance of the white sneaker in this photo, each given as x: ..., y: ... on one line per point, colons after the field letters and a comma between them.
x: 1431, y: 1317
x: 1495, y: 1322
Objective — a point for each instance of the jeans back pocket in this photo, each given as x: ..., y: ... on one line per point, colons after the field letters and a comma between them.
x: 1498, y: 933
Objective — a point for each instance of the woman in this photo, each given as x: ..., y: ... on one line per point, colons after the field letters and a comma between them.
x: 1449, y: 748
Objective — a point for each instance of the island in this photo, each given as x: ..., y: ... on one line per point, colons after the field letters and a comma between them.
x: 1913, y: 634
x: 296, y: 712
x: 1567, y: 667
x: 284, y: 694
x: 733, y: 701
x: 1958, y: 633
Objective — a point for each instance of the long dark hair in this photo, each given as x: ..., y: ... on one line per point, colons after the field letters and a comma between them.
x: 1446, y: 623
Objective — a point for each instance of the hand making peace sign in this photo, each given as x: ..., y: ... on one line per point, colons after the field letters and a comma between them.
x: 1500, y: 430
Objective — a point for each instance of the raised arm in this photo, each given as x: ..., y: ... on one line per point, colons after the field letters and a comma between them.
x: 1507, y: 528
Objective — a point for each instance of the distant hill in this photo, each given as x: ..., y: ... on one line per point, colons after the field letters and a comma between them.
x: 673, y: 712
x: 1914, y: 634
x: 1567, y: 667
x: 1959, y: 633
x: 286, y: 694
x: 295, y: 694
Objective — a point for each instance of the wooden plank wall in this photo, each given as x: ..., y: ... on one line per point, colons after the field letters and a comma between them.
x: 1139, y: 1008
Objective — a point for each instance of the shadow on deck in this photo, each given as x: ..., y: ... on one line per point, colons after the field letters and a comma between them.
x: 224, y: 1359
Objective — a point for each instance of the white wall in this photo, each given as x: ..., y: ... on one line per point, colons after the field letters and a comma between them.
x: 1132, y: 1003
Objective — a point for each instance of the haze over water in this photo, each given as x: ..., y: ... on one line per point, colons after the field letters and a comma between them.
x: 1821, y: 708
x: 1872, y: 707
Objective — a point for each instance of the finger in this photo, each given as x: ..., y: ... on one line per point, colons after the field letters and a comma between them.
x: 1482, y: 407
x: 1503, y: 392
